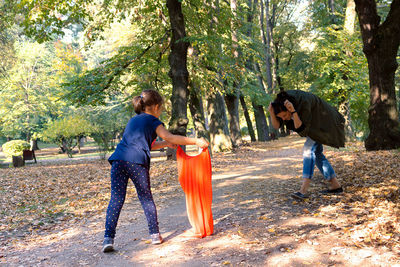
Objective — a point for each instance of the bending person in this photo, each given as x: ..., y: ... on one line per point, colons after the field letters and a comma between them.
x: 311, y: 117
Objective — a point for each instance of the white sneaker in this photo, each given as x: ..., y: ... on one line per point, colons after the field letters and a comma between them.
x: 156, y: 239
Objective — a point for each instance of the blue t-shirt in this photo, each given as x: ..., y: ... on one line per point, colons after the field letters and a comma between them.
x: 139, y: 134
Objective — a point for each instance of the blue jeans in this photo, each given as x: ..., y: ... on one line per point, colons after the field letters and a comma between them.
x: 121, y: 172
x: 312, y: 155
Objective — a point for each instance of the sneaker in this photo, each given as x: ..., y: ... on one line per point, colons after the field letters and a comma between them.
x: 156, y: 239
x: 298, y: 195
x: 108, y: 244
x: 333, y: 191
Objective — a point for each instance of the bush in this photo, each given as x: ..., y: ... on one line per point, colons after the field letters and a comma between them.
x: 15, y: 148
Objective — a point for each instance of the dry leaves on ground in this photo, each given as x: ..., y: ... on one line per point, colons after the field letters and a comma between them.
x: 39, y: 198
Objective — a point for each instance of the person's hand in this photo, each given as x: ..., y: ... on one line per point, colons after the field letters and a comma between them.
x: 271, y: 109
x: 170, y: 145
x: 289, y: 106
x: 201, y: 142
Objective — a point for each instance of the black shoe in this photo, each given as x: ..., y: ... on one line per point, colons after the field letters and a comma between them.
x: 108, y: 244
x: 333, y: 191
x: 298, y: 195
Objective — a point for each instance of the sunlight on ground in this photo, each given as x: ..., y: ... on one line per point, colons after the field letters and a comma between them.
x: 304, y: 254
x: 50, y: 239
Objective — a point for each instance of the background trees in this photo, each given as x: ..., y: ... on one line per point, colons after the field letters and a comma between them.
x: 204, y: 56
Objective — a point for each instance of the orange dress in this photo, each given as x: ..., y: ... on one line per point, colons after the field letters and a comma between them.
x: 195, y: 179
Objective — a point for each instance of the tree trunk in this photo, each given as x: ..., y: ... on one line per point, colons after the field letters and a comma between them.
x: 178, y: 72
x: 350, y: 17
x: 197, y: 112
x: 261, y: 123
x: 232, y: 97
x: 34, y: 144
x: 266, y: 38
x: 344, y: 108
x: 219, y: 133
x: 331, y: 4
x: 381, y: 44
x: 78, y: 143
x: 248, y: 120
x: 232, y: 105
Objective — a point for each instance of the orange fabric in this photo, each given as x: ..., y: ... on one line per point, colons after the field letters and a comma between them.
x: 195, y: 179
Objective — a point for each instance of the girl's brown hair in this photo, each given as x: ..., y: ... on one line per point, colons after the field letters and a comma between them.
x: 146, y: 98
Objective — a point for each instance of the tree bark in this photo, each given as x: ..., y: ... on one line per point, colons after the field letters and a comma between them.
x: 248, y: 120
x: 232, y: 96
x: 344, y: 106
x: 219, y: 133
x: 197, y: 112
x: 34, y: 144
x: 232, y: 105
x: 266, y: 38
x: 350, y: 17
x: 178, y: 72
x: 261, y: 122
x: 381, y: 43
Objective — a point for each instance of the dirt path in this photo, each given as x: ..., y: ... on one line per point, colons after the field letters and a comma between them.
x: 256, y: 224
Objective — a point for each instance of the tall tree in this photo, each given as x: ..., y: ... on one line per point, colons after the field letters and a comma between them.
x: 259, y: 114
x: 219, y: 133
x: 197, y: 111
x: 232, y: 95
x: 218, y: 122
x: 178, y: 73
x: 344, y: 104
x: 381, y: 44
x: 248, y: 120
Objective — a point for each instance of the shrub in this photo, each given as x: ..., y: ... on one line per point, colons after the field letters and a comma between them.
x: 15, y: 148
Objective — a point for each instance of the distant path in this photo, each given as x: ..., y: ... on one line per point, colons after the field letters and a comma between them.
x: 256, y: 224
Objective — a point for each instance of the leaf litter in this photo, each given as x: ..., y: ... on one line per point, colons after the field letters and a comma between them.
x: 42, y: 198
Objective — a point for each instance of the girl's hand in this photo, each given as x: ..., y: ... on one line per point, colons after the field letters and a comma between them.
x: 289, y: 106
x: 201, y: 142
x: 170, y: 145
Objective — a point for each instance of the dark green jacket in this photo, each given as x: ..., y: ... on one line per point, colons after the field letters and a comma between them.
x: 323, y: 123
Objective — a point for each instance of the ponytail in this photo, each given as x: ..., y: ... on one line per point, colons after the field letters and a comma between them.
x: 138, y: 104
x: 146, y: 98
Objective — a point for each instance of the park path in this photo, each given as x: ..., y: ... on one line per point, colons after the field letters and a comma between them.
x: 256, y: 224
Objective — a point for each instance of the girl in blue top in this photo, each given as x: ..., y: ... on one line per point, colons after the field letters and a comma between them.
x: 131, y: 160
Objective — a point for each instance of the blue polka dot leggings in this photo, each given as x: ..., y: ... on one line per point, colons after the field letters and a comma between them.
x: 121, y: 172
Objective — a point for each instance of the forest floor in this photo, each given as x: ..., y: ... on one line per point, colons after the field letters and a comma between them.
x: 52, y: 214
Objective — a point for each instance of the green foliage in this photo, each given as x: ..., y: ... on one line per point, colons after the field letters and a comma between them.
x: 341, y: 75
x: 107, y: 122
x: 322, y: 16
x: 66, y: 131
x: 30, y: 87
x: 15, y: 148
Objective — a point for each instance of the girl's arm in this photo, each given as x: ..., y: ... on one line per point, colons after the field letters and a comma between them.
x: 179, y: 139
x: 160, y: 144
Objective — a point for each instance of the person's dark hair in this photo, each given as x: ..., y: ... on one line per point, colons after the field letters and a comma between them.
x: 146, y: 98
x: 278, y: 104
